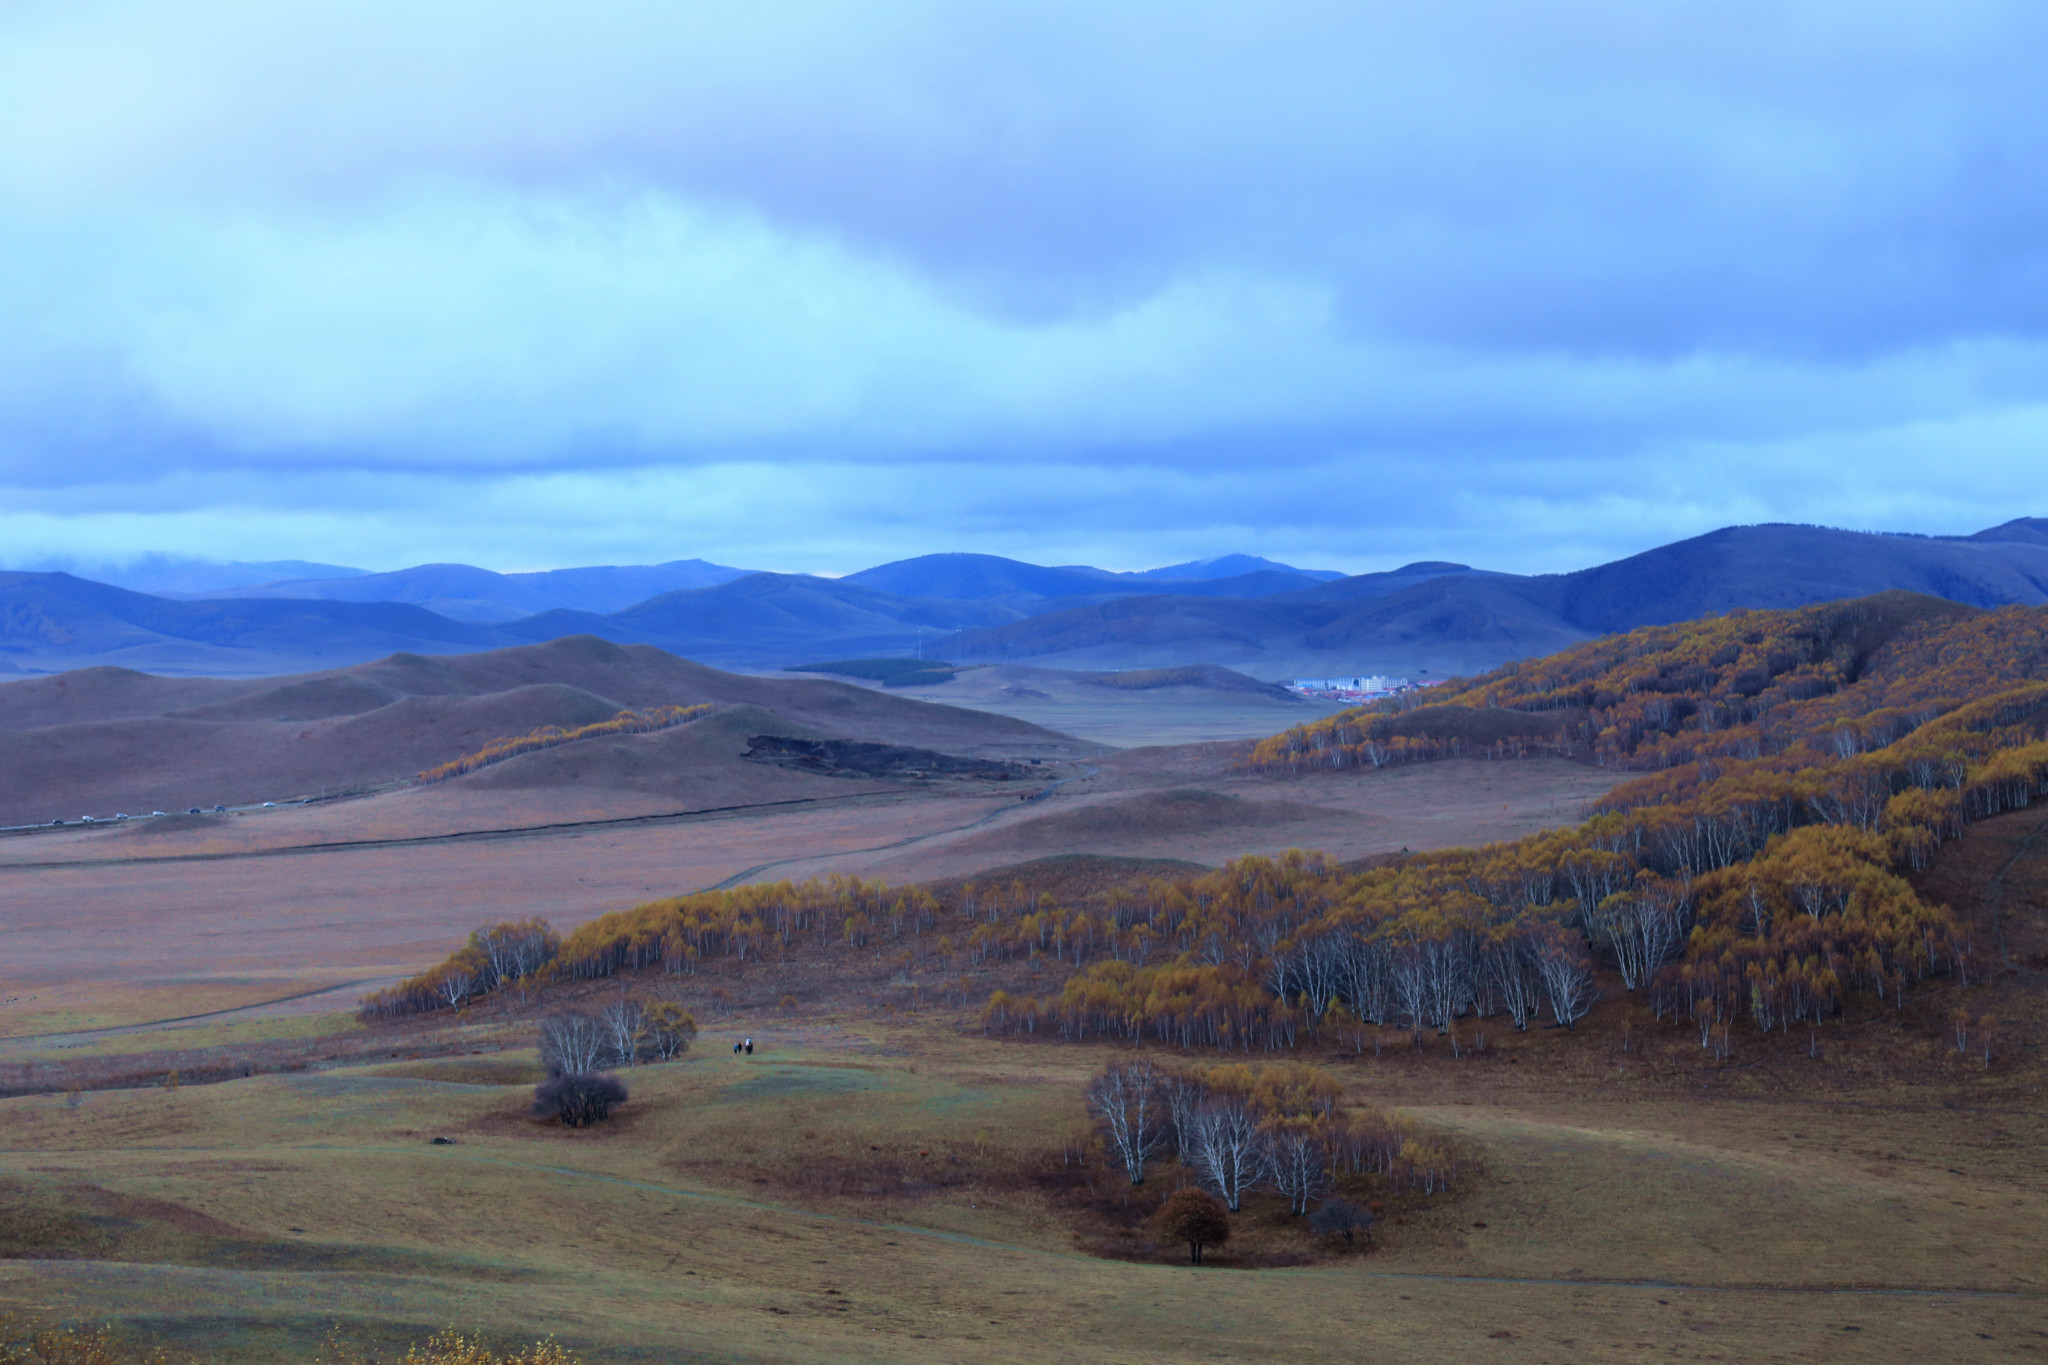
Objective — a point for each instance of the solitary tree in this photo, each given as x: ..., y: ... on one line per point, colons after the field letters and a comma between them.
x: 1126, y: 1100
x: 1195, y: 1217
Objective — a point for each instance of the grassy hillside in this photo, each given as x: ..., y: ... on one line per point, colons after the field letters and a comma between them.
x: 104, y: 740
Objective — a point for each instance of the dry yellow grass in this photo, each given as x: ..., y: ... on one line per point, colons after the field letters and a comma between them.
x: 734, y: 1211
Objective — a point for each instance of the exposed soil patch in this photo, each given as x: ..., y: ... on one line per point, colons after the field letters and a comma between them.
x: 857, y: 758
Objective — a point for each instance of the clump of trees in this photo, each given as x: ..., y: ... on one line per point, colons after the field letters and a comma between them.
x: 626, y: 1032
x: 745, y: 923
x: 579, y: 1048
x: 497, y: 957
x: 1237, y: 1128
x: 627, y: 722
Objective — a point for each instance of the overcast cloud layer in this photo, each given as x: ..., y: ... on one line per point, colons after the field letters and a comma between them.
x: 812, y: 286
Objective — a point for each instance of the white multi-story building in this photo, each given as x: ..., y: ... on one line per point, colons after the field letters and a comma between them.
x: 1363, y: 685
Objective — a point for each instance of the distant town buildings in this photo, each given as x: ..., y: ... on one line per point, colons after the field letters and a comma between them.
x: 1354, y: 689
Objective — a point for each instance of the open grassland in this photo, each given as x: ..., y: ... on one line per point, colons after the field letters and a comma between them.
x: 1083, y: 705
x: 868, y: 1191
x: 127, y: 926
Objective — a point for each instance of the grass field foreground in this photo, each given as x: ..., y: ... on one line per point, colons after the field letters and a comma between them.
x: 861, y: 1191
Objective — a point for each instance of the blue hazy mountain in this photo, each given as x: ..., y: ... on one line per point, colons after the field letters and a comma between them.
x: 991, y: 578
x: 51, y: 621
x: 1445, y: 617
x: 166, y: 575
x: 463, y: 592
x: 1433, y: 615
x: 1232, y: 566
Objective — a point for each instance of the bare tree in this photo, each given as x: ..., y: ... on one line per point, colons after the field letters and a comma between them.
x: 1409, y: 982
x: 455, y: 985
x: 1297, y: 1160
x: 1567, y: 974
x: 1185, y: 1096
x: 572, y: 1043
x: 1505, y: 959
x: 623, y: 1020
x: 1643, y: 927
x: 1227, y: 1150
x: 1126, y: 1100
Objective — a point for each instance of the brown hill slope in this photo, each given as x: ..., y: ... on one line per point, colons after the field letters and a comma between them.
x: 107, y: 740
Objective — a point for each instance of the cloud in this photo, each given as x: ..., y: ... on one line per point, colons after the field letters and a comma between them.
x: 1128, y: 283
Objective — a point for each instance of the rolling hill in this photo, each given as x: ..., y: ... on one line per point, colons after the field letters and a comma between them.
x: 1440, y: 618
x: 50, y: 622
x: 1431, y: 617
x: 102, y: 740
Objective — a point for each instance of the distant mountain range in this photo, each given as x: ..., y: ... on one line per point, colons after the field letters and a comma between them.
x: 176, y: 575
x: 1239, y: 611
x: 463, y: 592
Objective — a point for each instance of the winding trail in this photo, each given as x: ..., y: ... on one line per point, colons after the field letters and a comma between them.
x: 738, y: 878
x: 464, y: 835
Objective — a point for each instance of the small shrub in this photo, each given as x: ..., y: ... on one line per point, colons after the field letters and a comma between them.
x: 1340, y: 1218
x: 447, y: 1348
x: 35, y: 1341
x: 579, y: 1099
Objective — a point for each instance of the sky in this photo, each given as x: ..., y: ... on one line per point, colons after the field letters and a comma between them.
x: 812, y: 286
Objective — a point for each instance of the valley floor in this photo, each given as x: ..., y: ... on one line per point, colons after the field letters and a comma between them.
x: 128, y: 925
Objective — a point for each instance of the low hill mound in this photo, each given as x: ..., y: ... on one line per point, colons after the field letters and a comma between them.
x: 1209, y: 677
x: 108, y: 740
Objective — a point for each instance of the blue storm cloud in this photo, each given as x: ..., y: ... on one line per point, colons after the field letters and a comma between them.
x: 812, y: 285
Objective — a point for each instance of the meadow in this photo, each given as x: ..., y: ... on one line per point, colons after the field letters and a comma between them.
x: 870, y: 1189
